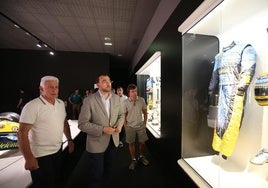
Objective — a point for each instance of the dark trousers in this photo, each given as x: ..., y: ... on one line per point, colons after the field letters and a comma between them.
x: 100, y: 165
x: 48, y: 173
x: 93, y: 169
x: 122, y: 135
x: 76, y: 110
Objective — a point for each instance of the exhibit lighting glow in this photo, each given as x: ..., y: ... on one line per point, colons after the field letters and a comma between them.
x: 108, y: 44
x: 39, y: 44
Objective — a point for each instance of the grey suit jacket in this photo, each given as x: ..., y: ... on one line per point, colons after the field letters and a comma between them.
x: 93, y: 117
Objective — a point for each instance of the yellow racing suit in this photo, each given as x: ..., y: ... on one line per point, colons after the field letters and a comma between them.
x: 233, y: 71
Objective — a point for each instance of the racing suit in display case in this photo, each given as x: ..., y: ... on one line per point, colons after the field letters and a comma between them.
x: 233, y: 71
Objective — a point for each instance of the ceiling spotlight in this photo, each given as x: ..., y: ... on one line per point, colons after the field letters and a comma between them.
x: 39, y: 44
x: 107, y: 38
x: 108, y: 44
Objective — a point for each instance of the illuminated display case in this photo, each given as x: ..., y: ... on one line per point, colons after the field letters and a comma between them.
x: 149, y: 87
x: 215, y: 28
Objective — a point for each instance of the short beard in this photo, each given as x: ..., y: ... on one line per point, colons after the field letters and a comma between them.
x: 107, y: 90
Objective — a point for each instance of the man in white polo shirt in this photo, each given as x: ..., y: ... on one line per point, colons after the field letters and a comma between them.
x: 42, y: 124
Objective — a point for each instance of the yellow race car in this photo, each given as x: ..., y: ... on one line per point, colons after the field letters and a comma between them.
x: 9, y: 122
x: 8, y: 126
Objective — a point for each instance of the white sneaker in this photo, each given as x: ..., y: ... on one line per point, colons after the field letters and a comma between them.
x: 260, y: 158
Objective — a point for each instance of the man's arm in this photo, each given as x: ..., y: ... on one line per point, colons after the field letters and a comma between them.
x: 67, y: 133
x: 30, y: 161
x: 144, y: 111
x: 19, y: 103
x: 69, y: 99
x: 125, y: 121
x: 120, y: 118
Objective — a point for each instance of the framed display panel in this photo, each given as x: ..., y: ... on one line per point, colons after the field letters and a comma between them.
x: 212, y: 32
x: 149, y: 87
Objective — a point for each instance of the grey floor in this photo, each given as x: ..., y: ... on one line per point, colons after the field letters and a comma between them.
x: 156, y: 175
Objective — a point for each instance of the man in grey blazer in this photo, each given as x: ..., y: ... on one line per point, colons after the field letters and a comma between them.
x: 102, y: 118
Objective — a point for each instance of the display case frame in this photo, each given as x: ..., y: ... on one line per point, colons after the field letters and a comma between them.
x: 227, y: 21
x: 149, y: 87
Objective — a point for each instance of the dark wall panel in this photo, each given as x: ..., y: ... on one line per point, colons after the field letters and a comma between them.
x: 119, y: 71
x: 22, y: 68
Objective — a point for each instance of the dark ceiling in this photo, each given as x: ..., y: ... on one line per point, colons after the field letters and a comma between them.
x: 76, y: 25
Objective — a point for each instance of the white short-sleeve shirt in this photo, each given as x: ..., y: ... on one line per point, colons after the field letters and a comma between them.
x: 47, y: 122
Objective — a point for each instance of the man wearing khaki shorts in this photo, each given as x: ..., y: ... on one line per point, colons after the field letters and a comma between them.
x: 135, y: 125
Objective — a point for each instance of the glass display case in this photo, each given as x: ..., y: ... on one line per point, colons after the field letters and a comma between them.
x: 224, y: 127
x: 149, y: 87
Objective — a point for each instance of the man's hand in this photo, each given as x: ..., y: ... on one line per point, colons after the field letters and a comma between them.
x: 117, y: 128
x: 108, y: 130
x: 70, y: 146
x: 31, y: 164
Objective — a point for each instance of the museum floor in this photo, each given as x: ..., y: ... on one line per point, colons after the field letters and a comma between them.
x: 155, y: 175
